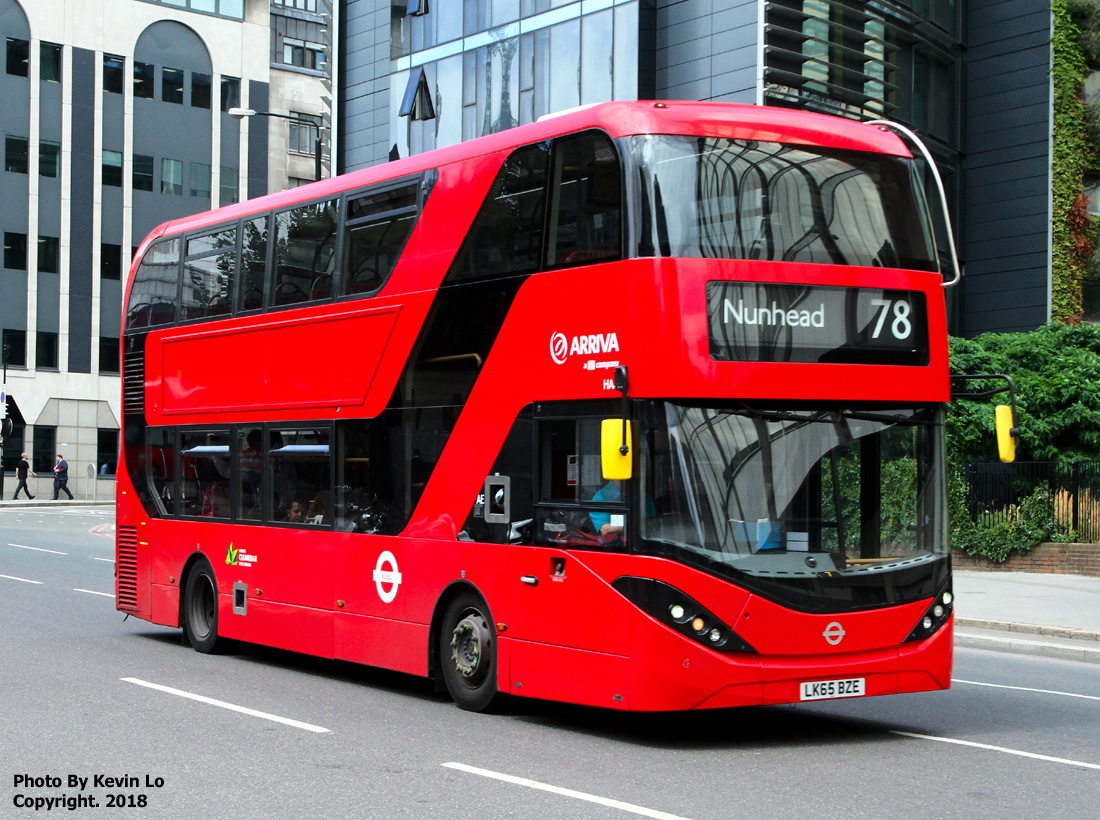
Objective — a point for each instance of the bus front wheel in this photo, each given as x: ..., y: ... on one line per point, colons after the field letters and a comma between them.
x: 200, y: 609
x: 467, y: 654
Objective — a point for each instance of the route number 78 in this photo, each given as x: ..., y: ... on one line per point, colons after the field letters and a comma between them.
x: 900, y: 327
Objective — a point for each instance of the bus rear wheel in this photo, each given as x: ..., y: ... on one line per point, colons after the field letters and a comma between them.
x: 467, y: 654
x: 200, y: 609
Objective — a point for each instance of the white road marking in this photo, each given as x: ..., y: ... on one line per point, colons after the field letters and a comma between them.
x: 591, y: 798
x: 108, y: 560
x: 24, y: 580
x: 309, y: 727
x: 93, y: 592
x: 1002, y: 749
x: 1026, y: 689
x: 37, y: 549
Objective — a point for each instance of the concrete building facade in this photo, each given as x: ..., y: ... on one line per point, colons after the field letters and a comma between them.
x: 115, y: 119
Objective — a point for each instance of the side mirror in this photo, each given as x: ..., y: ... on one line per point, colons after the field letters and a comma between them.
x: 616, y: 463
x: 1006, y: 433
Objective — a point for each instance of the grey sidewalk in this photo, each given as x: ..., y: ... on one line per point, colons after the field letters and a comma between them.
x: 1054, y: 616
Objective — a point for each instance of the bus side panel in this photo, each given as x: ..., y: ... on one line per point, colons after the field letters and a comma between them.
x: 282, y: 626
x: 165, y: 601
x: 560, y: 673
x: 396, y: 645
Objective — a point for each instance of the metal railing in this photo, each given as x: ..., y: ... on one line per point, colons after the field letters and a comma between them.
x: 995, y: 490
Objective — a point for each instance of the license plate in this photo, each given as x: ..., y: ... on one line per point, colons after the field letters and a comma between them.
x: 824, y: 689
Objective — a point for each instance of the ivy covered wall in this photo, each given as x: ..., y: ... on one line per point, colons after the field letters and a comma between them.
x: 1075, y: 44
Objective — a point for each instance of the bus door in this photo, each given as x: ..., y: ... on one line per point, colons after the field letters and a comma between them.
x: 566, y: 622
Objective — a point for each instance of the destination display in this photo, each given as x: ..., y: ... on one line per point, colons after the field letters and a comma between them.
x: 767, y: 322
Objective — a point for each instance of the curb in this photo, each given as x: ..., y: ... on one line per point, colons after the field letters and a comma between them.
x: 49, y: 502
x: 1030, y: 629
x: 1018, y: 646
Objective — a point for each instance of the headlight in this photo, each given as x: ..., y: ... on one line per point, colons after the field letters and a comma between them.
x: 680, y: 612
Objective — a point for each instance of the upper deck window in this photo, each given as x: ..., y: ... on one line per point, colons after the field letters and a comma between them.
x: 209, y: 274
x: 154, y: 294
x: 744, y: 199
x: 378, y: 225
x: 305, y: 250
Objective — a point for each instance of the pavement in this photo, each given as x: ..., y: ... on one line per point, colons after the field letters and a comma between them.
x: 1027, y: 613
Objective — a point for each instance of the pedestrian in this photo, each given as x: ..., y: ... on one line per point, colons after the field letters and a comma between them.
x: 61, y: 478
x: 21, y: 471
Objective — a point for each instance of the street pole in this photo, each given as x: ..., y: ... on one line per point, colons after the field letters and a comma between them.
x: 241, y: 113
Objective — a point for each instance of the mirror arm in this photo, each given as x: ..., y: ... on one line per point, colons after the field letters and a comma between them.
x: 622, y: 384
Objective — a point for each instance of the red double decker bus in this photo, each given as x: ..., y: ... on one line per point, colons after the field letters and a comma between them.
x: 639, y: 406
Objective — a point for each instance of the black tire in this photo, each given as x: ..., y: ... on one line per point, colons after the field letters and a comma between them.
x: 467, y: 654
x: 200, y: 610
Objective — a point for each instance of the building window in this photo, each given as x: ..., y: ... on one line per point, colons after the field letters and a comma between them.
x: 143, y: 80
x: 110, y: 261
x: 112, y: 168
x: 46, y: 351
x: 143, y: 173
x: 50, y: 70
x: 15, y: 343
x: 49, y: 159
x: 200, y: 90
x: 304, y: 5
x: 171, y: 177
x: 171, y: 85
x: 302, y: 136
x: 13, y: 449
x: 19, y: 54
x: 114, y: 73
x: 49, y: 254
x: 297, y: 182
x: 108, y: 356
x: 15, y: 154
x: 15, y: 251
x: 106, y: 452
x: 302, y: 54
x: 200, y: 180
x: 231, y: 93
x: 44, y: 449
x: 228, y: 189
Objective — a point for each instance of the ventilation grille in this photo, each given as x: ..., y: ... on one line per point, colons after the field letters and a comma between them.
x: 133, y: 381
x: 127, y: 568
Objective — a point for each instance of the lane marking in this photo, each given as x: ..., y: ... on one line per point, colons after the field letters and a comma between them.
x: 591, y: 798
x: 988, y: 747
x: 108, y: 560
x: 244, y: 710
x: 93, y: 592
x: 24, y: 580
x: 37, y: 549
x: 1026, y: 689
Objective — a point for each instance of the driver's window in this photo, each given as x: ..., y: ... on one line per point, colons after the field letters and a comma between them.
x: 305, y: 252
x: 378, y: 226
x: 577, y: 507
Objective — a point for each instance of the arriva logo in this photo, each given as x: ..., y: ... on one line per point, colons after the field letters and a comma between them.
x: 562, y: 348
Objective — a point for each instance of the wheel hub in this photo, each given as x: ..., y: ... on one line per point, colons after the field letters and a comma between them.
x: 468, y: 643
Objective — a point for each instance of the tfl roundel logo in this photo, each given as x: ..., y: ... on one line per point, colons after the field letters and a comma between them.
x: 559, y: 348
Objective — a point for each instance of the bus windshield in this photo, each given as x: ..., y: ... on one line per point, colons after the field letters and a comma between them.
x: 776, y: 202
x: 822, y: 509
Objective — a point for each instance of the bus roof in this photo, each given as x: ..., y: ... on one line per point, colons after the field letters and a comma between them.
x: 618, y: 119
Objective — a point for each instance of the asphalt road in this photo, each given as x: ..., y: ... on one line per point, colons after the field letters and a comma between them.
x: 85, y: 693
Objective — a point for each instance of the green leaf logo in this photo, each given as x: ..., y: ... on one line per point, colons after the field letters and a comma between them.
x: 231, y: 556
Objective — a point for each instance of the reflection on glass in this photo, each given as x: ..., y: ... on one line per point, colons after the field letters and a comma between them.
x: 742, y: 199
x: 760, y: 491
